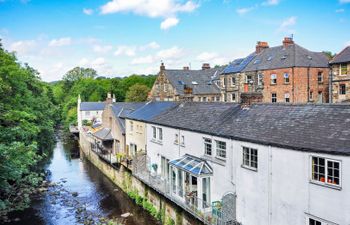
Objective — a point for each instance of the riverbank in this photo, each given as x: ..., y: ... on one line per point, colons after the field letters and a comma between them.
x: 76, y: 192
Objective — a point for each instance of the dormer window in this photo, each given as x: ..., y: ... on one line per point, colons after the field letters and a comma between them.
x: 269, y: 59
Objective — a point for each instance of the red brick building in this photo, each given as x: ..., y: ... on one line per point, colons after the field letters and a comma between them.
x: 290, y: 73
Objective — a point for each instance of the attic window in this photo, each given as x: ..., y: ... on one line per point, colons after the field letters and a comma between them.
x: 257, y: 61
x: 194, y: 82
x: 309, y: 57
x: 284, y: 57
x: 269, y: 59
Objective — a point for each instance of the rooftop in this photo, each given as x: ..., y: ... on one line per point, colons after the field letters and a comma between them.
x: 342, y: 57
x: 316, y: 128
x: 92, y: 106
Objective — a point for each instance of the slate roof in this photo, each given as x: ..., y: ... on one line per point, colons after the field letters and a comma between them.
x: 238, y: 65
x: 150, y: 110
x: 103, y: 134
x: 291, y: 56
x: 203, y: 78
x: 92, y: 106
x: 342, y: 57
x: 122, y: 109
x: 315, y: 128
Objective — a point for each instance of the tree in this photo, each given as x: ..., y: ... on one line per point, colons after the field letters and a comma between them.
x: 329, y: 54
x: 137, y: 93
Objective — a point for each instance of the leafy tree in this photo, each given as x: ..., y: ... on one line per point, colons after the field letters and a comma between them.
x: 27, y: 121
x: 329, y: 54
x: 137, y: 93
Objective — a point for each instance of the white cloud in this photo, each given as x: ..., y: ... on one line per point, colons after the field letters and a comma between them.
x: 286, y: 24
x: 125, y: 51
x: 102, y: 48
x: 344, y: 1
x: 271, y: 2
x: 60, y: 42
x: 340, y: 10
x: 151, y: 45
x: 143, y: 60
x: 23, y: 47
x: 98, y: 62
x: 88, y: 11
x: 169, y: 22
x: 207, y: 56
x: 170, y: 53
x: 167, y: 9
x: 242, y: 11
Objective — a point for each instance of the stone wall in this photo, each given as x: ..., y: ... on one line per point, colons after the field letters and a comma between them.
x: 124, y: 179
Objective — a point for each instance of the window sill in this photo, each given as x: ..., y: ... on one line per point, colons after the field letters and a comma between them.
x: 176, y: 143
x: 335, y: 187
x: 157, y: 142
x: 320, y: 82
x: 214, y: 160
x: 287, y: 83
x: 273, y: 84
x: 182, y: 145
x: 249, y: 168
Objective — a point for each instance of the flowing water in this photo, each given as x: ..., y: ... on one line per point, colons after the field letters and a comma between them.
x: 80, y: 194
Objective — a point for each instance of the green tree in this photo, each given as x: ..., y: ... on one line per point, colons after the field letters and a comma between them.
x: 137, y: 93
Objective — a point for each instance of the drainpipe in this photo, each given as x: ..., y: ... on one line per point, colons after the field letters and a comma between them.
x: 293, y: 84
x: 270, y: 186
x: 308, y: 84
x: 330, y: 85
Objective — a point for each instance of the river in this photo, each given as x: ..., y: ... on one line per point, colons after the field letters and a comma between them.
x: 80, y: 194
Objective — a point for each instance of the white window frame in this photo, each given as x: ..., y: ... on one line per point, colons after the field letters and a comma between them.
x: 326, y: 183
x: 273, y: 78
x: 287, y: 96
x: 208, y: 142
x: 260, y: 79
x: 176, y: 141
x: 220, y: 150
x: 160, y: 133
x: 286, y: 76
x: 233, y: 99
x: 154, y: 132
x: 233, y: 81
x: 182, y: 141
x: 249, y: 163
x: 248, y: 80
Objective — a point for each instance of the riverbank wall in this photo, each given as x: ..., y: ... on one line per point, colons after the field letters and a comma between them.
x: 166, y: 211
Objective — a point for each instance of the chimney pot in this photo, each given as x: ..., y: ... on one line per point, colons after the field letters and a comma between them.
x: 186, y: 68
x: 162, y: 67
x: 205, y: 66
x: 261, y: 45
x: 287, y: 41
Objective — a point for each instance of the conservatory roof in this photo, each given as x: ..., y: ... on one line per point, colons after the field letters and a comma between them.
x: 193, y: 165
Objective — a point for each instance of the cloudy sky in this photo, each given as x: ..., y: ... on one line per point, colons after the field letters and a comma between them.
x: 122, y: 37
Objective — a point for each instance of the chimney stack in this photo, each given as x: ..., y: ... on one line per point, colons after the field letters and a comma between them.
x: 113, y: 99
x: 186, y: 68
x: 109, y: 99
x: 205, y: 66
x: 162, y: 67
x: 261, y: 45
x: 287, y: 41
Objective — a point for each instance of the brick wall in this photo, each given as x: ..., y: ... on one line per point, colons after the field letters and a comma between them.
x: 298, y: 85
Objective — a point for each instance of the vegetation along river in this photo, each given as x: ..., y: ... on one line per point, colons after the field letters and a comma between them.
x: 78, y: 193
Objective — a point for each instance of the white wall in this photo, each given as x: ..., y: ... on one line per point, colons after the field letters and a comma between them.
x: 82, y: 115
x: 279, y: 192
x: 137, y: 135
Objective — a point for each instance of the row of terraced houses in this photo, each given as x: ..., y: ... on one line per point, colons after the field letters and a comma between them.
x: 231, y: 162
x: 287, y: 73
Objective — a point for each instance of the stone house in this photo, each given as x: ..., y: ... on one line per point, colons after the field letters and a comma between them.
x: 234, y: 83
x: 340, y: 76
x: 289, y: 73
x: 186, y: 84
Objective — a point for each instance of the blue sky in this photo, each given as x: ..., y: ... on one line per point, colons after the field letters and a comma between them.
x: 121, y: 37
